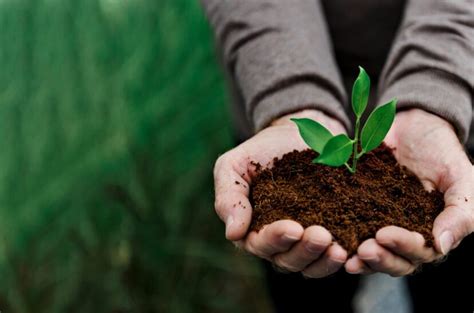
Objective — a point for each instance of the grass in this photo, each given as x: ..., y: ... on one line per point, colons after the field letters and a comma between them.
x: 112, y: 113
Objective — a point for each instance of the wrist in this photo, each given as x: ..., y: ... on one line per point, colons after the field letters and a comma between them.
x: 334, y: 125
x: 422, y: 118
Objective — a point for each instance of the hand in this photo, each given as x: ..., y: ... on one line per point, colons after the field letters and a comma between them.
x: 427, y: 145
x: 285, y: 242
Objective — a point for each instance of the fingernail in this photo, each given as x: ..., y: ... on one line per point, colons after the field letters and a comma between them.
x: 375, y: 259
x: 446, y: 241
x: 228, y: 223
x: 314, y: 247
x: 388, y: 244
x: 288, y: 238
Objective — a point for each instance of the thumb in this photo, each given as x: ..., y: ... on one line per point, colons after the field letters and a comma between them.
x: 235, y: 211
x: 232, y: 204
x: 457, y: 219
x: 450, y: 227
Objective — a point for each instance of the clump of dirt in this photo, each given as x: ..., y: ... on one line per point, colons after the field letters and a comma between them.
x: 353, y: 207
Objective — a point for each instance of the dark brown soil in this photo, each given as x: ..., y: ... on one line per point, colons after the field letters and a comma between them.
x: 351, y: 207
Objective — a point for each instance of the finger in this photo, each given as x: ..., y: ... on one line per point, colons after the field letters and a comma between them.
x: 457, y: 219
x: 356, y: 266
x: 314, y: 242
x: 408, y: 244
x: 450, y: 227
x: 329, y: 263
x: 231, y: 195
x: 380, y: 259
x: 275, y: 238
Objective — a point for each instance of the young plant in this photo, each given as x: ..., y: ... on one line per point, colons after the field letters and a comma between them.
x: 337, y: 150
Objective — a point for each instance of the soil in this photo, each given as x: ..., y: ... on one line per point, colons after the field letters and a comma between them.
x: 351, y: 206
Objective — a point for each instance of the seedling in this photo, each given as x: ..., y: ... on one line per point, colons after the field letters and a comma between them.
x: 337, y: 150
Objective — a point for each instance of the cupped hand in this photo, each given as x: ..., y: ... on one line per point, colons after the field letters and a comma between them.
x: 285, y: 243
x: 428, y: 146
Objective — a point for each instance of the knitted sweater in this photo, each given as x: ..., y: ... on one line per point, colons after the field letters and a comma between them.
x: 282, y: 56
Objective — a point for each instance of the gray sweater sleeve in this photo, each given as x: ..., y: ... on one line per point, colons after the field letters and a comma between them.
x: 278, y: 54
x: 431, y: 64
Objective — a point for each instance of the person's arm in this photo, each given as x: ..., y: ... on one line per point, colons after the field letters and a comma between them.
x: 279, y: 56
x: 310, y: 251
x: 431, y: 70
x: 431, y: 63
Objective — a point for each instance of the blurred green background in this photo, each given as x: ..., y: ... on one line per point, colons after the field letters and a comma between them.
x: 112, y: 113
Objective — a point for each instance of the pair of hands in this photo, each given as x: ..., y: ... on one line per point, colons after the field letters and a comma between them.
x: 423, y: 142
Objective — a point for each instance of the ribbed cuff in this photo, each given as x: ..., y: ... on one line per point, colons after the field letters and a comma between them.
x: 296, y: 98
x: 436, y: 92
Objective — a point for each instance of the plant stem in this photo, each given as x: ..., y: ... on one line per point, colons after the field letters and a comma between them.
x: 349, y: 168
x: 355, y: 151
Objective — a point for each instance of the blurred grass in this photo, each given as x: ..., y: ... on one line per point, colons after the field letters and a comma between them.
x: 111, y: 115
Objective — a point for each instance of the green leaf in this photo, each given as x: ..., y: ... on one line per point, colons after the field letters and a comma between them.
x: 377, y: 126
x: 360, y: 92
x: 314, y: 134
x: 336, y: 152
